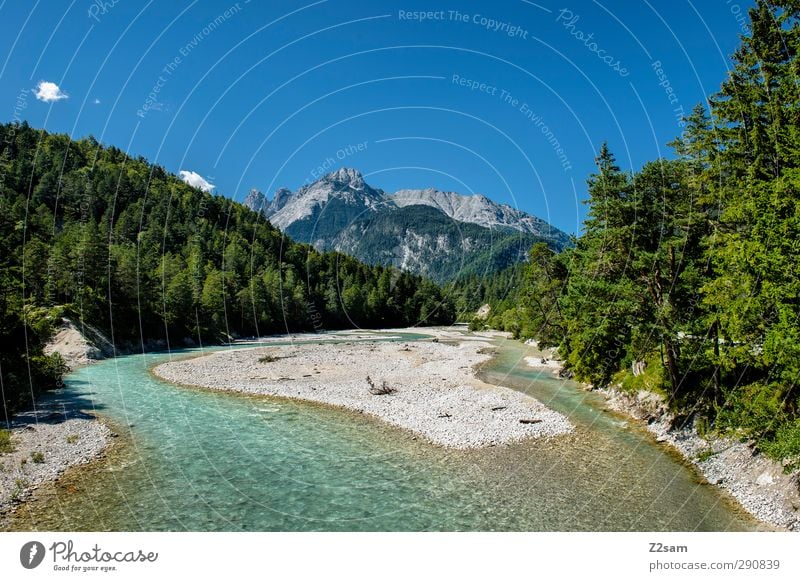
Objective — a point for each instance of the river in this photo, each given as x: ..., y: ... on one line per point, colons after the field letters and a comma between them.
x: 196, y: 460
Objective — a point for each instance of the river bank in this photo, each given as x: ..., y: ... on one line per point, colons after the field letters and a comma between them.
x: 758, y: 483
x: 427, y: 387
x: 207, y: 460
x: 45, y: 443
x: 57, y: 434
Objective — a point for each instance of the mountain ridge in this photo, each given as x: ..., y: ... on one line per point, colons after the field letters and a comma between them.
x: 336, y: 211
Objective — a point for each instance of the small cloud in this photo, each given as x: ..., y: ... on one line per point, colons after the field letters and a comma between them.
x: 196, y: 180
x: 96, y: 101
x: 49, y: 92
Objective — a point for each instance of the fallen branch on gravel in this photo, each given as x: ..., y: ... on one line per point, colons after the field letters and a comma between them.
x: 384, y: 388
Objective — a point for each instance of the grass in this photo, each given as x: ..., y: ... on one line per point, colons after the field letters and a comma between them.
x: 784, y: 445
x: 6, y: 445
x: 268, y: 359
x: 37, y: 457
x: 704, y: 455
x: 72, y: 438
x: 652, y: 379
x: 19, y: 487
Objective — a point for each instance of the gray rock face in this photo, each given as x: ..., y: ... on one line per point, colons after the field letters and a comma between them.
x: 257, y: 201
x: 480, y: 210
x: 439, y: 234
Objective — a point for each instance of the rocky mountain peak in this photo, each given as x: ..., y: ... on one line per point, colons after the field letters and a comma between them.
x: 256, y: 201
x: 426, y: 231
x: 346, y: 176
x: 280, y: 199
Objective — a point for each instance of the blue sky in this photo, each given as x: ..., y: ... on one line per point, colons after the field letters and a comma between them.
x: 509, y: 98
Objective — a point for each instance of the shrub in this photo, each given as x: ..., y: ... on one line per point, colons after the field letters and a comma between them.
x: 6, y: 445
x: 652, y: 378
x: 268, y: 358
x: 785, y: 445
x: 49, y: 370
x: 37, y: 457
x: 754, y: 410
x: 705, y: 454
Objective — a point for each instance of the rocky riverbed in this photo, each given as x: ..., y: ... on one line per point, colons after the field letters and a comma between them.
x: 45, y: 443
x: 427, y: 387
x: 758, y: 483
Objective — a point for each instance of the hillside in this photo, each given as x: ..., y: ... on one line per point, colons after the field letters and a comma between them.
x: 121, y: 244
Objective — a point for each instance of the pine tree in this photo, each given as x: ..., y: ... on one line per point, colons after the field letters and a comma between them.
x: 598, y: 305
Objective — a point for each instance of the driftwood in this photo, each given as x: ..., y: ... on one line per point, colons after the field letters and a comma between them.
x: 383, y: 389
x: 530, y: 421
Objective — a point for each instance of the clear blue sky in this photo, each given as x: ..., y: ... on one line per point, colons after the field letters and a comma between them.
x: 264, y: 94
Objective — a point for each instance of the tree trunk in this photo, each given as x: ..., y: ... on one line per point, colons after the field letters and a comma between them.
x: 672, y: 366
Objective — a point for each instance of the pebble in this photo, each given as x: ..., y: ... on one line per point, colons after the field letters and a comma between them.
x: 437, y: 394
x: 63, y: 436
x: 756, y: 482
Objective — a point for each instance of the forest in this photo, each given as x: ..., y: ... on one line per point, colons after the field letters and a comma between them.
x: 690, y: 267
x: 90, y: 233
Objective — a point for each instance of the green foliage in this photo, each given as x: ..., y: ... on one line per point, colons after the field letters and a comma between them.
x: 753, y: 410
x: 48, y: 370
x: 127, y: 247
x: 545, y: 280
x: 785, y: 444
x: 511, y: 322
x: 476, y: 324
x: 652, y: 379
x: 501, y: 290
x: 599, y: 302
x: 37, y: 457
x: 6, y: 445
x: 704, y: 455
x: 693, y: 264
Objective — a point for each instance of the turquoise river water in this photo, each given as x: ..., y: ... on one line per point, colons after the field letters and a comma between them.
x: 189, y: 459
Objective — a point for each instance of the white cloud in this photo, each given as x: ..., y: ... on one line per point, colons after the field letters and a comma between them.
x: 49, y: 92
x: 195, y: 179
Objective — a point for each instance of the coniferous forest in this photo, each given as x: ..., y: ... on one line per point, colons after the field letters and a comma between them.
x: 91, y: 233
x: 687, y: 269
x: 691, y: 265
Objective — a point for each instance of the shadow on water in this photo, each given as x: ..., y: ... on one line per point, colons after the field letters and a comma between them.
x: 54, y: 407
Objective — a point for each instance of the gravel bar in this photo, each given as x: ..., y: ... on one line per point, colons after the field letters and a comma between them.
x: 434, y: 391
x: 45, y: 443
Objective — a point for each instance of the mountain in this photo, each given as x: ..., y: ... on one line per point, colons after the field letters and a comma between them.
x: 115, y: 243
x: 442, y: 235
x: 480, y: 210
x: 318, y: 212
